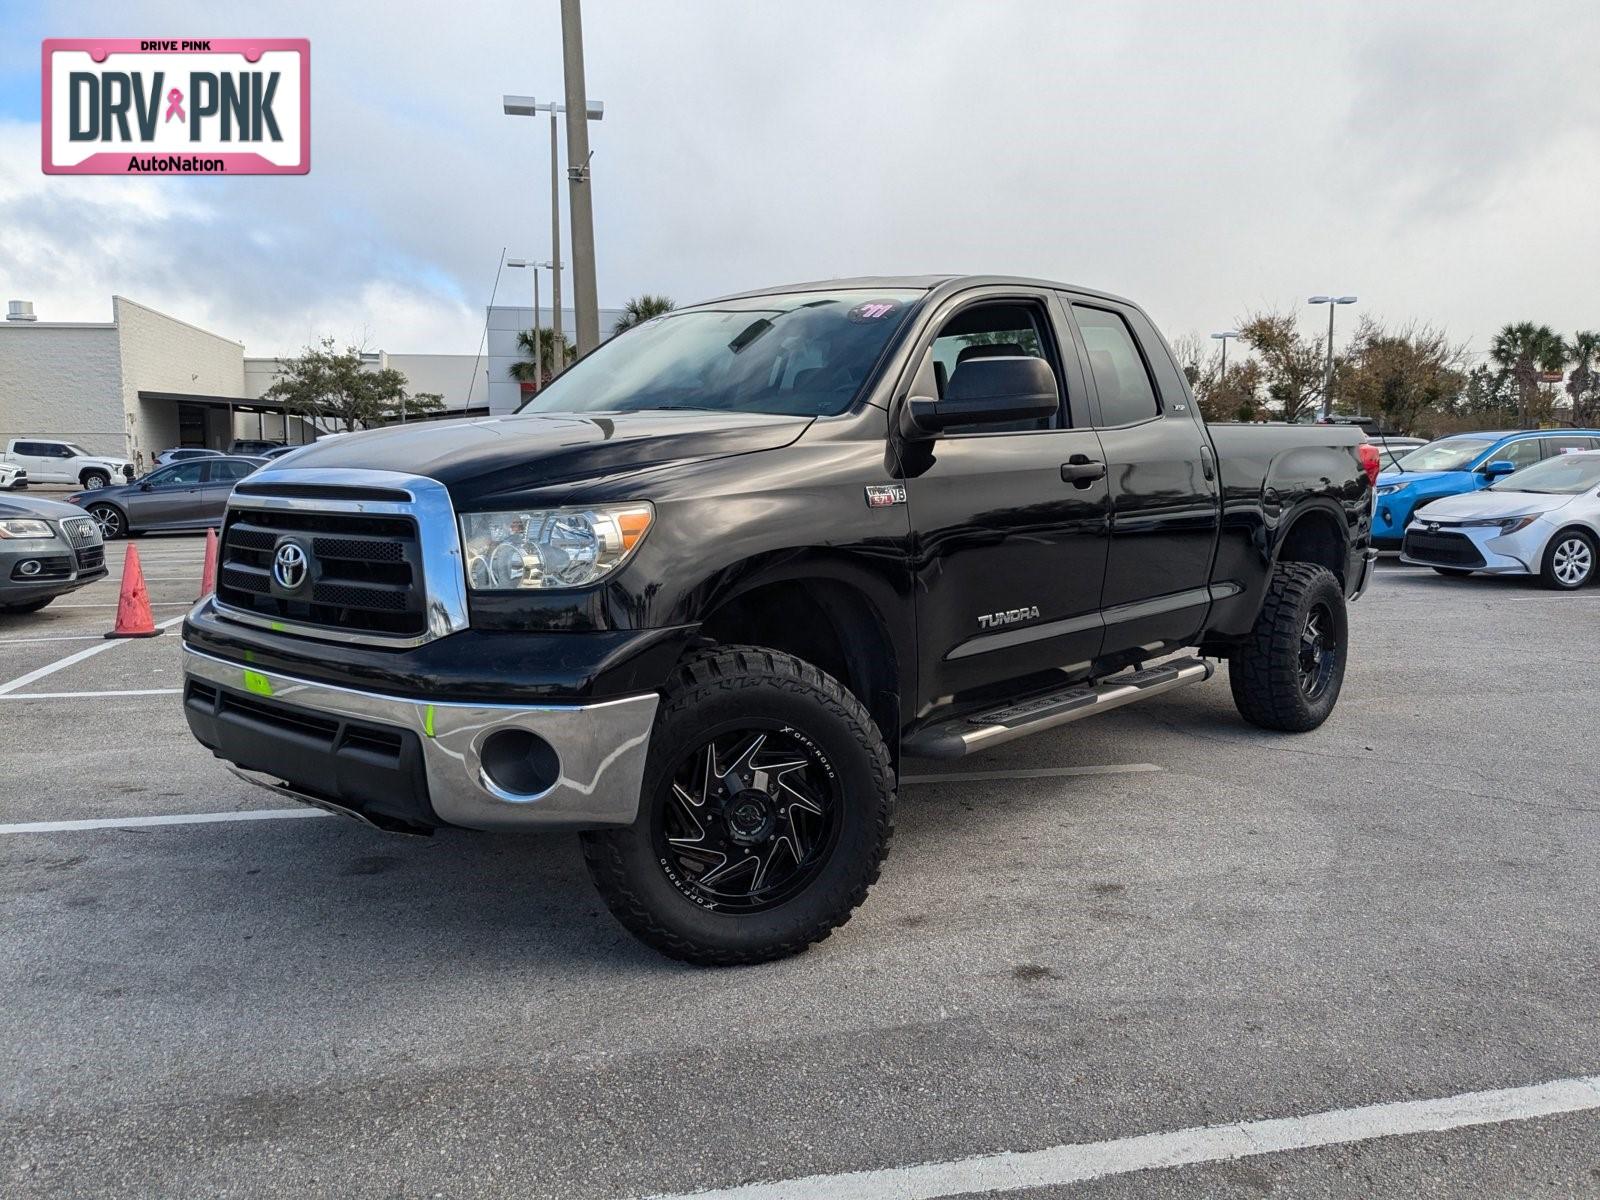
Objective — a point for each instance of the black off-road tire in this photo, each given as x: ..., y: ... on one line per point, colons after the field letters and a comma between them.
x: 721, y: 688
x: 27, y: 606
x: 1265, y: 671
x: 1553, y: 572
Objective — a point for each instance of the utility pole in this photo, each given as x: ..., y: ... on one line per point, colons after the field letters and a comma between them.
x: 585, y: 298
x: 558, y: 350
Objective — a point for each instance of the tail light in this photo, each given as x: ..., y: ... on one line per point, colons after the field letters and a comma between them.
x: 1370, y: 462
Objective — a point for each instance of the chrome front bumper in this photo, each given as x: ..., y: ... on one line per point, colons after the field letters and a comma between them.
x: 1369, y: 565
x: 601, y: 748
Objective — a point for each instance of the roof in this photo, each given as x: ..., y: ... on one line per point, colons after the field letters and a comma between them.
x: 1497, y: 434
x: 921, y: 283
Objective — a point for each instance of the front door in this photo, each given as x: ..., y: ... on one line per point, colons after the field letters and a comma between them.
x: 166, y: 497
x: 45, y: 462
x: 221, y: 475
x: 1165, y: 499
x: 1008, y: 550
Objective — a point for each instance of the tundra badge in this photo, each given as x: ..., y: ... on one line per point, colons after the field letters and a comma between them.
x: 1010, y: 617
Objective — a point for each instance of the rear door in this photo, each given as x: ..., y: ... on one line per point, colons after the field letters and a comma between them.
x: 221, y: 474
x: 1009, y: 536
x: 1165, y: 500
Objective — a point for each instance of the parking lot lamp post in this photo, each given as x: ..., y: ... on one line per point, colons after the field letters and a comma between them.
x: 1223, y: 338
x: 538, y: 350
x: 1327, y: 376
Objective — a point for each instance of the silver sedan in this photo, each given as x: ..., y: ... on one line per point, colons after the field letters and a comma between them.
x: 185, y: 495
x: 1544, y: 520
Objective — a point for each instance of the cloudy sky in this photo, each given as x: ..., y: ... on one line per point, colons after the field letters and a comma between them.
x: 1440, y: 160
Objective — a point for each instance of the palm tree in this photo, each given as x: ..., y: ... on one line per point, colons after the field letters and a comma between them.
x: 524, y: 371
x: 640, y: 309
x: 1525, y: 351
x: 1583, y: 385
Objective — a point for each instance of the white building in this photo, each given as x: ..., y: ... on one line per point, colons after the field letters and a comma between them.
x: 144, y: 382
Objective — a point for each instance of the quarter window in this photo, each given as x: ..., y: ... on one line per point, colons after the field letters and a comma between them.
x: 1127, y: 394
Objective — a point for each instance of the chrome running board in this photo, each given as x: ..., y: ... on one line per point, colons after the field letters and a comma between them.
x: 968, y: 734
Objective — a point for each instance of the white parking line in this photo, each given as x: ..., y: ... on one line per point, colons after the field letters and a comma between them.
x: 74, y: 637
x: 22, y: 681
x: 112, y: 604
x: 89, y: 695
x: 258, y: 814
x: 1059, y: 1165
x: 1036, y: 773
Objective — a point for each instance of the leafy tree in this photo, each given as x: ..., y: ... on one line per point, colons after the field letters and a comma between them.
x: 1583, y: 384
x: 524, y: 371
x: 1400, y: 374
x: 641, y: 309
x: 1291, y: 365
x: 1525, y: 351
x: 335, y: 386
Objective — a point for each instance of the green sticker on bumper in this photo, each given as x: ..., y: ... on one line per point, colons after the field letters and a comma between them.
x: 256, y: 682
x: 427, y: 721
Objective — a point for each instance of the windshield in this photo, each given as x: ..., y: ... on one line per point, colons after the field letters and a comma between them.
x: 802, y: 354
x: 1448, y: 454
x: 1564, y: 476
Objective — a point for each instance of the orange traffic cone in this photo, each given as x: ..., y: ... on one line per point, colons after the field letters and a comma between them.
x: 133, y: 605
x: 208, y: 575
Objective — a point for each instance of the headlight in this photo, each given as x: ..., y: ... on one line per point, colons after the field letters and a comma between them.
x: 22, y: 528
x: 550, y: 547
x: 1506, y: 524
x: 1388, y: 489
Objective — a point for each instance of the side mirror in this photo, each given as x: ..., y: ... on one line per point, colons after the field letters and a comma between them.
x: 986, y: 391
x: 146, y: 485
x: 1499, y: 467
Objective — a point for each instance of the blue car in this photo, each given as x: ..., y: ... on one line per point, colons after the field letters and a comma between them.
x: 1463, y: 462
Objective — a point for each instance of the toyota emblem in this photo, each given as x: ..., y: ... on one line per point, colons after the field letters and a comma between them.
x: 289, y: 565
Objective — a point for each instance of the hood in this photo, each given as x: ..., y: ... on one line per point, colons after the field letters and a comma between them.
x: 1489, y: 503
x: 33, y: 506
x: 503, y: 454
x: 1387, y: 477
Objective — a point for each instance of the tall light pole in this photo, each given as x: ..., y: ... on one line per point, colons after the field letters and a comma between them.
x: 585, y: 298
x: 527, y: 106
x: 1327, y: 377
x: 1223, y: 338
x: 538, y: 348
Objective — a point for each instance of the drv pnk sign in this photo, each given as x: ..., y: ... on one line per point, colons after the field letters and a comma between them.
x: 212, y: 106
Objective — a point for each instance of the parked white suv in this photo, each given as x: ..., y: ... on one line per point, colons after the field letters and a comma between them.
x: 48, y: 461
x: 12, y: 477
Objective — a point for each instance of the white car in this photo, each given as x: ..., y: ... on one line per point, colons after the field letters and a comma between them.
x: 1544, y: 520
x: 12, y: 477
x: 49, y: 461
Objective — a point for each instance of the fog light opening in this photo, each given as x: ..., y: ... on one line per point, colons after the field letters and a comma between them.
x: 518, y: 765
x: 30, y: 567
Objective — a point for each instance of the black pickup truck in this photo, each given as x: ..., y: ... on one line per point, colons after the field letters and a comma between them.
x: 703, y: 594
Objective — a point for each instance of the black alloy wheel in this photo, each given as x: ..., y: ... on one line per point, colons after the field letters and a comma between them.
x: 752, y: 816
x: 1319, y: 652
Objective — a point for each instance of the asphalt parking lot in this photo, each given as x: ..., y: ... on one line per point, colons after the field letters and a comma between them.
x: 1155, y: 921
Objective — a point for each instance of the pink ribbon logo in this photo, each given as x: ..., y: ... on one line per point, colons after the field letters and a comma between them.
x: 175, y: 105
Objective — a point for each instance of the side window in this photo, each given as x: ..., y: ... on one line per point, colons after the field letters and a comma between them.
x: 31, y: 449
x: 53, y: 450
x: 182, y: 474
x: 223, y: 471
x: 1120, y: 376
x: 1007, y: 329
x: 1524, y: 453
x: 1554, y: 447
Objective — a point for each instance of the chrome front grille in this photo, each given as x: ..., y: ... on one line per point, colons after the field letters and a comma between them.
x: 382, y: 556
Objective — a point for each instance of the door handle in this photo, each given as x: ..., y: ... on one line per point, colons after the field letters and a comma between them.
x: 1208, y: 463
x: 1080, y: 470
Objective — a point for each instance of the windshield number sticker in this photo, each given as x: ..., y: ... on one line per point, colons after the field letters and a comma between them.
x: 874, y: 310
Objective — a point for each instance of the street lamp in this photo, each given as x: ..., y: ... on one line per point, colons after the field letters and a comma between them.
x: 538, y: 351
x: 1223, y: 338
x: 1327, y: 378
x: 527, y: 106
